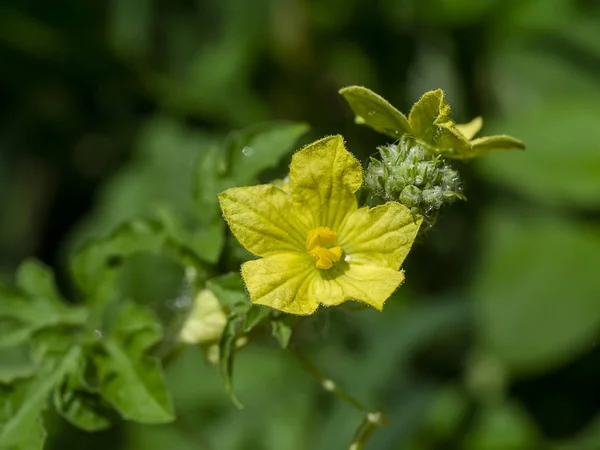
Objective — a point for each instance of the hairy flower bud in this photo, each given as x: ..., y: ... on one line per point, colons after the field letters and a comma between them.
x: 409, y: 174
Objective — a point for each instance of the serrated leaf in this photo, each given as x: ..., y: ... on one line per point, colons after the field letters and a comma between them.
x: 24, y: 401
x: 282, y: 332
x: 430, y: 110
x: 227, y: 348
x: 374, y: 111
x: 94, y: 264
x: 33, y: 307
x: 430, y: 121
x: 524, y: 294
x: 80, y: 405
x: 130, y: 380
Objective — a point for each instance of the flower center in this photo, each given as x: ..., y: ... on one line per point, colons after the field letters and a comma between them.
x: 320, y: 245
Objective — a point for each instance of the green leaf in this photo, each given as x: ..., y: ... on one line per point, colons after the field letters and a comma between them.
x: 93, y: 266
x: 282, y: 332
x: 469, y: 130
x: 256, y: 315
x: 37, y: 280
x: 130, y: 380
x: 374, y: 111
x: 33, y: 307
x: 79, y: 404
x: 488, y: 144
x: 259, y: 147
x: 430, y: 121
x: 230, y: 291
x: 537, y: 292
x: 206, y: 240
x: 227, y: 348
x: 15, y: 364
x: 24, y: 401
x: 238, y: 161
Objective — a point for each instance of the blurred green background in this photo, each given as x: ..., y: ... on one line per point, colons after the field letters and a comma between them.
x: 490, y: 344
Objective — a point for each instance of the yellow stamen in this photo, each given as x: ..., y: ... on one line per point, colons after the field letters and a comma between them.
x: 319, y: 245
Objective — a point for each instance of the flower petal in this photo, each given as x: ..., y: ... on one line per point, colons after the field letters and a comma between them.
x: 323, y: 179
x: 379, y: 236
x: 282, y: 282
x: 262, y: 219
x: 364, y: 283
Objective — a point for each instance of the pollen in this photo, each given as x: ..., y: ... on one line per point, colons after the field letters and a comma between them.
x: 320, y: 244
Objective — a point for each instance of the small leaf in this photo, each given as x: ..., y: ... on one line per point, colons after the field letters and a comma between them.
x: 282, y: 332
x: 230, y: 291
x: 470, y: 129
x: 376, y: 112
x: 227, y: 352
x: 79, y: 404
x: 430, y: 121
x: 488, y: 144
x: 132, y: 382
x: 430, y: 110
x: 256, y: 314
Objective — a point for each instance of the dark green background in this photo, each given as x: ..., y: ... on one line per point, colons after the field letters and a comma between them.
x: 490, y: 344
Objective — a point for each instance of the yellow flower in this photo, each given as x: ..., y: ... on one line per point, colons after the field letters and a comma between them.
x: 316, y: 245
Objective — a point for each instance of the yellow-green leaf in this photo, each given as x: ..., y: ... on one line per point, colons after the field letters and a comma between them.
x: 376, y: 112
x: 430, y: 121
x: 487, y: 144
x: 470, y: 129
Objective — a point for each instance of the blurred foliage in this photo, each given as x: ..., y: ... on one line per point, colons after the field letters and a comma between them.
x: 117, y: 112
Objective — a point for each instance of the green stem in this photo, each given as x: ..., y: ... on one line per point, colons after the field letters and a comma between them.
x: 372, y: 419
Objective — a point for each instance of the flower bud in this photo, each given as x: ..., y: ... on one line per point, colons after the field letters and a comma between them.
x: 409, y: 174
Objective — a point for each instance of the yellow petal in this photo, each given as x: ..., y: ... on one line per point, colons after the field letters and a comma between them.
x: 323, y: 179
x: 282, y: 282
x: 263, y: 219
x: 379, y: 236
x: 469, y: 130
x: 364, y: 283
